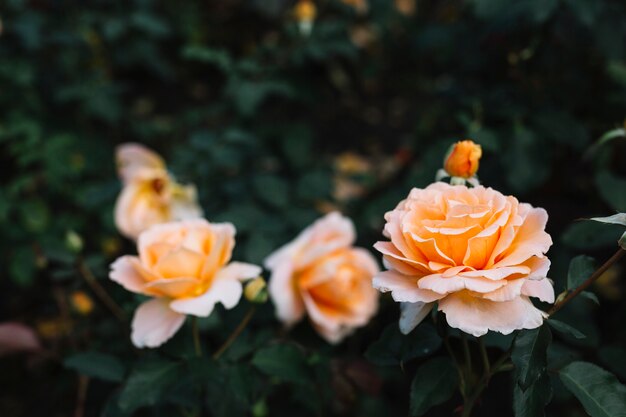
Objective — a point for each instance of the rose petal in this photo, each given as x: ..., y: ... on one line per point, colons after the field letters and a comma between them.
x: 542, y: 289
x: 225, y: 291
x: 124, y: 272
x: 154, y: 323
x: 403, y: 288
x: 412, y: 314
x: 441, y: 285
x: 288, y: 303
x: 477, y: 316
x: 239, y: 271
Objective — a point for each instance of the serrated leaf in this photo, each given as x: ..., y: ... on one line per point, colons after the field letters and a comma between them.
x: 599, y: 391
x: 147, y: 383
x: 530, y: 354
x: 532, y: 401
x: 434, y: 383
x: 393, y: 348
x: 283, y: 361
x: 96, y: 365
x: 580, y: 268
x: 566, y: 329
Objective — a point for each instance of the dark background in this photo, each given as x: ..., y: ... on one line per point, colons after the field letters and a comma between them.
x: 276, y: 128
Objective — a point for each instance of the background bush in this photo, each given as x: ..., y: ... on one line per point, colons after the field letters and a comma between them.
x: 276, y: 128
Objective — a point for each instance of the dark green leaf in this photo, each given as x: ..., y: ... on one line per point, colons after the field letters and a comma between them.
x: 580, y: 268
x: 590, y: 296
x: 565, y: 328
x: 147, y: 384
x: 614, y: 358
x: 394, y: 348
x: 598, y: 390
x: 283, y: 361
x: 435, y: 381
x: 96, y: 365
x: 529, y: 354
x: 608, y: 184
x: 532, y: 401
x: 591, y: 235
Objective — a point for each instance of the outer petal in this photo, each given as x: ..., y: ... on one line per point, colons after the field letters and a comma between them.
x: 282, y: 290
x: 531, y: 239
x: 239, y: 271
x: 412, y: 314
x: 542, y: 289
x: 403, y: 288
x: 225, y: 291
x: 441, y: 285
x: 477, y: 316
x: 131, y: 158
x: 123, y: 272
x: 155, y: 323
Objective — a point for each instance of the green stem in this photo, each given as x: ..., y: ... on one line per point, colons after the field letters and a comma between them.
x: 459, y: 369
x: 598, y: 272
x: 470, y: 401
x: 467, y: 355
x: 196, y: 336
x: 484, y: 355
x: 233, y: 336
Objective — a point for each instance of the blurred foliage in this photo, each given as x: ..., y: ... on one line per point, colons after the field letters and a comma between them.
x: 276, y: 128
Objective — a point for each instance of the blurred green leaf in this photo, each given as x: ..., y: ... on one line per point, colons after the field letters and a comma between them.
x: 393, y: 348
x: 580, y: 269
x: 148, y: 383
x: 566, y: 329
x: 284, y: 361
x: 96, y: 365
x: 434, y: 383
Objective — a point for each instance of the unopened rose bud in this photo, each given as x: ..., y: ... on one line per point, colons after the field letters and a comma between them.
x: 462, y: 159
x: 305, y: 12
x: 81, y: 302
x: 73, y: 241
x: 256, y: 291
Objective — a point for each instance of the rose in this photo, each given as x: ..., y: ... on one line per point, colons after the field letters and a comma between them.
x: 150, y: 195
x: 321, y: 275
x: 463, y: 159
x: 185, y: 266
x: 476, y: 252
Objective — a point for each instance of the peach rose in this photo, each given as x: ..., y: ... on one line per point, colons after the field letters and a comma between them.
x: 321, y: 275
x: 476, y: 252
x: 150, y: 195
x: 186, y: 267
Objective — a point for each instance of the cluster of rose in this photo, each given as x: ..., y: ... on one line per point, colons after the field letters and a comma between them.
x: 468, y: 251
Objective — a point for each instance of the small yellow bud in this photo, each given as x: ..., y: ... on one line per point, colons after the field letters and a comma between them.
x: 256, y: 291
x: 462, y: 159
x: 81, y: 302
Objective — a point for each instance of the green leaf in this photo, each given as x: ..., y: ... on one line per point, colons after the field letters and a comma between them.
x: 580, y: 268
x: 619, y: 218
x: 566, y: 329
x: 283, y: 361
x: 272, y: 190
x: 434, y: 383
x: 393, y: 348
x: 532, y: 401
x: 147, y: 384
x: 599, y: 391
x: 606, y: 138
x: 590, y: 235
x: 590, y: 296
x: 529, y: 354
x: 96, y: 365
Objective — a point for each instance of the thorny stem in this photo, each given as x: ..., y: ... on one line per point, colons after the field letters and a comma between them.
x: 196, y: 336
x: 100, y: 291
x: 233, y: 336
x: 616, y: 257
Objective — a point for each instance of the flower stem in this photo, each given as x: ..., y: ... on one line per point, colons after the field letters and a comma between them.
x: 233, y: 336
x: 196, y: 336
x: 598, y: 272
x: 467, y: 355
x: 100, y: 292
x: 470, y: 401
x: 484, y: 355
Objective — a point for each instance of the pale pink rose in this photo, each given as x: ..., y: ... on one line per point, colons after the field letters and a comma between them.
x: 321, y: 275
x: 186, y: 267
x: 476, y: 252
x: 150, y: 195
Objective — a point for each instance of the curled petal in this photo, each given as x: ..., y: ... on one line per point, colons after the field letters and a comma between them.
x: 441, y: 285
x: 288, y: 302
x: 412, y: 314
x: 155, y: 323
x: 542, y: 289
x: 125, y: 273
x: 403, y: 288
x: 239, y: 271
x: 225, y: 291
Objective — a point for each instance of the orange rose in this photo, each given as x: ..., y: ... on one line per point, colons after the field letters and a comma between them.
x: 185, y: 267
x: 476, y: 252
x: 321, y: 275
x: 462, y: 159
x: 150, y: 195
